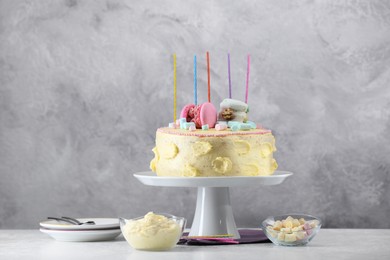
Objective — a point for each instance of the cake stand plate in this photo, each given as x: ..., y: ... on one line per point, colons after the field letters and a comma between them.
x: 213, y: 214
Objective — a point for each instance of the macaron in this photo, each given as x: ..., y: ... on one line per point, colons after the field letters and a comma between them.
x: 208, y: 115
x: 234, y: 104
x: 204, y: 114
x: 187, y: 112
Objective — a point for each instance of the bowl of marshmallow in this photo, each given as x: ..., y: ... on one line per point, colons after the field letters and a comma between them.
x: 291, y: 229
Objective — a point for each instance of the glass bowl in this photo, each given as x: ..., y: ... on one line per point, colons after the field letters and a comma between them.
x: 291, y: 229
x: 153, y: 232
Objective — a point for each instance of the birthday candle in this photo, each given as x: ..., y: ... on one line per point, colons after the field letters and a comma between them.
x: 230, y: 80
x: 195, y: 83
x: 208, y: 75
x: 174, y: 87
x: 247, y: 78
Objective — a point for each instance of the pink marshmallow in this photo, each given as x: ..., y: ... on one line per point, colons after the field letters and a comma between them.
x: 174, y: 125
x: 192, y: 128
x: 306, y: 226
x: 220, y: 127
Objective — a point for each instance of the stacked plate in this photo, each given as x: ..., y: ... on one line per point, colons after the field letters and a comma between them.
x: 104, y: 229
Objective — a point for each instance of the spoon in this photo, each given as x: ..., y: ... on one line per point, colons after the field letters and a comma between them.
x: 78, y: 222
x: 63, y: 220
x: 72, y: 221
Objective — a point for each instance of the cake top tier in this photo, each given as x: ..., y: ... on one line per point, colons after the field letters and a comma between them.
x: 212, y: 132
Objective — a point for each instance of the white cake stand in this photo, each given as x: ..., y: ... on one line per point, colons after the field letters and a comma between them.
x: 213, y: 214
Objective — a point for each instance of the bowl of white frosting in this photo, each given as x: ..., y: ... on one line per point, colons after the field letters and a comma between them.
x: 153, y: 232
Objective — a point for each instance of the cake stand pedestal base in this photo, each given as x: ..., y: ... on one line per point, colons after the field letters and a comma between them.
x: 214, y: 213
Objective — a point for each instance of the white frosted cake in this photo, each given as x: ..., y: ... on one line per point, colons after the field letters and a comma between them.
x: 199, y: 153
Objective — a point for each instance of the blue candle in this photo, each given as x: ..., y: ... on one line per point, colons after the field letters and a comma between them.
x: 230, y: 79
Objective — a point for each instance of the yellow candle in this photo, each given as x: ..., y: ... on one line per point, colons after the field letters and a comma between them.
x: 174, y: 87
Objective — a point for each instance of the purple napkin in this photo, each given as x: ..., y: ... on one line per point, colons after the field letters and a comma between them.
x: 247, y: 236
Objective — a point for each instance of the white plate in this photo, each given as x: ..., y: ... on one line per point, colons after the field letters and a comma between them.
x: 150, y: 178
x: 82, y: 236
x: 100, y: 223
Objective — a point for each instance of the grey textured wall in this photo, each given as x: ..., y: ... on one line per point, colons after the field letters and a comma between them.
x: 85, y: 84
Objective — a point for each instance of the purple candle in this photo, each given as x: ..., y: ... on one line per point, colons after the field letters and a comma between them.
x: 230, y: 79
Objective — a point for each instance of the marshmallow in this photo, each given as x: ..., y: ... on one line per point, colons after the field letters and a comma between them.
x: 289, y: 218
x: 182, y: 122
x: 192, y: 128
x: 244, y: 126
x: 272, y: 232
x: 278, y: 225
x: 296, y: 222
x: 235, y: 127
x: 187, y: 125
x: 239, y: 126
x: 286, y: 230
x: 306, y: 226
x: 221, y: 122
x: 295, y: 229
x: 220, y: 127
x: 281, y: 236
x: 231, y: 123
x: 290, y: 238
x: 288, y: 224
x: 205, y: 127
x: 300, y: 235
x: 252, y: 124
x: 172, y: 125
x: 314, y: 223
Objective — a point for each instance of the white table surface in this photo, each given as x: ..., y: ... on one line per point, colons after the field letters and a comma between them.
x: 328, y: 244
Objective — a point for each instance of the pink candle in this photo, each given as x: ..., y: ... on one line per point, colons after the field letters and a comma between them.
x: 208, y: 76
x: 247, y: 78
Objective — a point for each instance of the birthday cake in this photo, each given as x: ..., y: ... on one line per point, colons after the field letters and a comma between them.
x: 207, y: 143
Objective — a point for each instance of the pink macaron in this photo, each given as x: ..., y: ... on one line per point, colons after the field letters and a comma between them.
x: 204, y: 114
x: 187, y: 112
